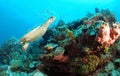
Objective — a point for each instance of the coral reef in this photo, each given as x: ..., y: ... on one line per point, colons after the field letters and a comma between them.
x: 86, y: 47
x: 12, y: 55
x: 9, y: 50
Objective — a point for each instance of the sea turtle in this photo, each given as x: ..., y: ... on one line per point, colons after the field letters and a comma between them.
x: 35, y: 33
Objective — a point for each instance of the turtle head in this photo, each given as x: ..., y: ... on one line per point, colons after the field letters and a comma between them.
x: 52, y: 18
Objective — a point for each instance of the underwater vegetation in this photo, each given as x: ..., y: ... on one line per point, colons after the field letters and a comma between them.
x: 84, y: 47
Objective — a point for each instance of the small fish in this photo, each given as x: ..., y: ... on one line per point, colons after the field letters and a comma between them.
x: 36, y: 33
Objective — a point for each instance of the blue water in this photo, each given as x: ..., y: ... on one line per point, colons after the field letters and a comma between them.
x: 18, y: 16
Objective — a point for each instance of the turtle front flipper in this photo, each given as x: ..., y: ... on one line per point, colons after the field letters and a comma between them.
x: 25, y: 46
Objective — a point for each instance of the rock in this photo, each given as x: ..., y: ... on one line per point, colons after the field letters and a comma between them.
x: 19, y: 74
x: 16, y: 63
x: 59, y: 51
x: 39, y: 73
x: 5, y: 70
x: 115, y: 73
x: 3, y: 67
x: 117, y: 63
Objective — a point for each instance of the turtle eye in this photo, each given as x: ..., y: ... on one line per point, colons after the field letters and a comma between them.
x: 51, y: 17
